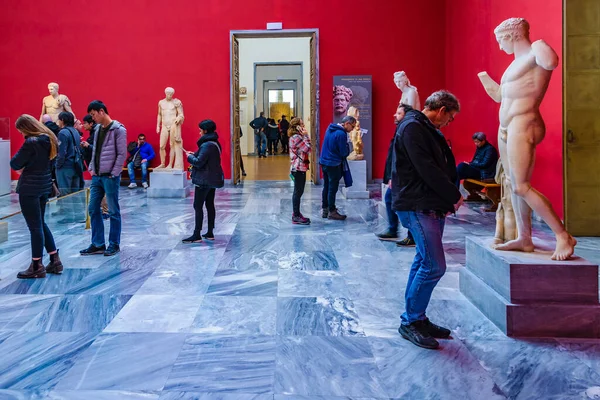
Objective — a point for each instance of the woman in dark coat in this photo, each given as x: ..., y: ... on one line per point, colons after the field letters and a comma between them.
x: 33, y: 161
x: 207, y: 175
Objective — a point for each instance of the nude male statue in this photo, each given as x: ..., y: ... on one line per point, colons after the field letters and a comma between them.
x: 522, y: 128
x: 168, y: 124
x: 55, y: 103
x: 410, y: 96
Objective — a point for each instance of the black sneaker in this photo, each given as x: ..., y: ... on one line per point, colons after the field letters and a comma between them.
x: 325, y: 213
x: 92, y: 250
x: 418, y: 335
x: 436, y: 331
x: 195, y: 238
x: 112, y: 250
x: 387, y: 235
x: 209, y: 236
x: 406, y: 242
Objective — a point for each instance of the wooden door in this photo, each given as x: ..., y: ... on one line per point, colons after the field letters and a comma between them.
x: 235, y: 101
x: 582, y: 124
x: 314, y: 110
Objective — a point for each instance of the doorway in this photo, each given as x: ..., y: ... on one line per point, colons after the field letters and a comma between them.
x: 581, y: 124
x: 275, y: 95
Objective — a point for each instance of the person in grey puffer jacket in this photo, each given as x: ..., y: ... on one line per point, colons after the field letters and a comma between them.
x: 108, y: 155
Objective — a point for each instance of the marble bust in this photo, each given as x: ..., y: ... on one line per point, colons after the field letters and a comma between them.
x: 410, y: 96
x: 55, y: 103
x: 356, y: 137
x: 341, y: 99
x: 522, y: 128
x: 168, y: 124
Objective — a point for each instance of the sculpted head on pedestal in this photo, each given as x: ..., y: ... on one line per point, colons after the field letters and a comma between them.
x: 341, y: 98
x: 169, y: 92
x: 510, y: 31
x: 53, y: 88
x: 401, y: 80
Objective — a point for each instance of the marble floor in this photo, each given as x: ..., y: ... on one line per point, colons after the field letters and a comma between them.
x: 269, y: 310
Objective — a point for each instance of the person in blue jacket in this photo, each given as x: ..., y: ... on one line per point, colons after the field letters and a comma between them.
x: 140, y: 157
x: 333, y: 153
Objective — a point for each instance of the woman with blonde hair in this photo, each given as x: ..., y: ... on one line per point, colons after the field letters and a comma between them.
x: 33, y: 161
x: 299, y: 146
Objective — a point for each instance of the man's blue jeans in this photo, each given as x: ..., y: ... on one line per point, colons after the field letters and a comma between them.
x: 101, y: 186
x: 331, y: 184
x: 144, y: 168
x: 260, y: 143
x: 391, y: 214
x: 429, y: 264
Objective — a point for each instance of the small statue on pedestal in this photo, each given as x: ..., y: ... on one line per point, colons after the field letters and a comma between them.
x: 55, y: 103
x: 522, y: 128
x: 356, y: 137
x: 168, y: 124
x: 410, y: 96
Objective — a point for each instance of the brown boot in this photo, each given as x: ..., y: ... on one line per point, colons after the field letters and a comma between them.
x: 55, y: 266
x: 36, y: 270
x: 335, y: 214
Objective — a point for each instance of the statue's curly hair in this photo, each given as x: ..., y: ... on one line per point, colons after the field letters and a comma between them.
x: 343, y: 90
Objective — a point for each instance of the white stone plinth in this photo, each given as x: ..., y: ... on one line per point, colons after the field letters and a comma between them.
x: 358, y: 190
x: 4, y: 167
x: 171, y: 183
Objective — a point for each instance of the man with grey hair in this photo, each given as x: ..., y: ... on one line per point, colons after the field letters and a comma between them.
x: 423, y: 194
x: 333, y: 154
x: 483, y: 165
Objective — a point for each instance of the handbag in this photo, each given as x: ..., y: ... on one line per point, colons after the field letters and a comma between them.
x: 78, y: 157
x: 346, y: 173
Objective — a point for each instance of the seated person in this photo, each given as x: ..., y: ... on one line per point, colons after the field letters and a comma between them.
x: 483, y: 165
x: 139, y: 157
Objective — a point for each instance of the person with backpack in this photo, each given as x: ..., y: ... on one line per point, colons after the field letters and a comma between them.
x: 207, y: 175
x: 69, y: 165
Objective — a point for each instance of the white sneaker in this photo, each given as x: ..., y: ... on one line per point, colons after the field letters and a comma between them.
x: 145, y: 185
x: 132, y: 185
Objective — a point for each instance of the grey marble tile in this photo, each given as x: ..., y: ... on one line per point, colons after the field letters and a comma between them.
x: 326, y: 366
x: 233, y: 315
x: 124, y: 361
x: 307, y: 260
x: 406, y: 371
x: 317, y: 316
x: 244, y: 364
x: 26, y: 312
x: 156, y: 313
x: 213, y: 396
x: 245, y: 283
x: 52, y: 284
x: 76, y: 395
x: 535, y: 369
x: 311, y: 284
x: 84, y: 313
x: 33, y: 360
x: 380, y: 317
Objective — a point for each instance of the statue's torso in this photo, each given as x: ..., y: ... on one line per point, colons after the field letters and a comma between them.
x: 523, y: 87
x: 168, y: 110
x: 54, y: 106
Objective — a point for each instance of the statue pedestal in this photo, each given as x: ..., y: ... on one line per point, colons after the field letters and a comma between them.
x: 528, y: 294
x: 5, y: 180
x: 3, y: 231
x: 358, y: 190
x: 171, y: 183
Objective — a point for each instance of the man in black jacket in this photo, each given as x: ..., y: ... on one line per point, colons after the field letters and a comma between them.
x: 484, y: 161
x: 391, y: 233
x: 423, y: 193
x: 259, y: 124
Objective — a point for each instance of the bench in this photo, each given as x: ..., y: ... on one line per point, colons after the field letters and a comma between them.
x: 486, y: 189
x: 138, y: 175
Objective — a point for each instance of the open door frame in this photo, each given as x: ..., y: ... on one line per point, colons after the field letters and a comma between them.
x: 236, y: 153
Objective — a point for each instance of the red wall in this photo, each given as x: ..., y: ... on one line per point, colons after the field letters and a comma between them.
x: 126, y: 53
x: 471, y: 47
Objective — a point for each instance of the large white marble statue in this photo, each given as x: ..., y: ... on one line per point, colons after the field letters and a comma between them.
x: 55, y: 103
x: 522, y: 128
x: 168, y: 124
x: 410, y: 95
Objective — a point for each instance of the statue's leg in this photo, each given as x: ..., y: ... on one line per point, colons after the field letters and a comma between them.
x: 522, y: 212
x: 164, y: 137
x: 521, y: 153
x: 171, y: 147
x: 499, y: 235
